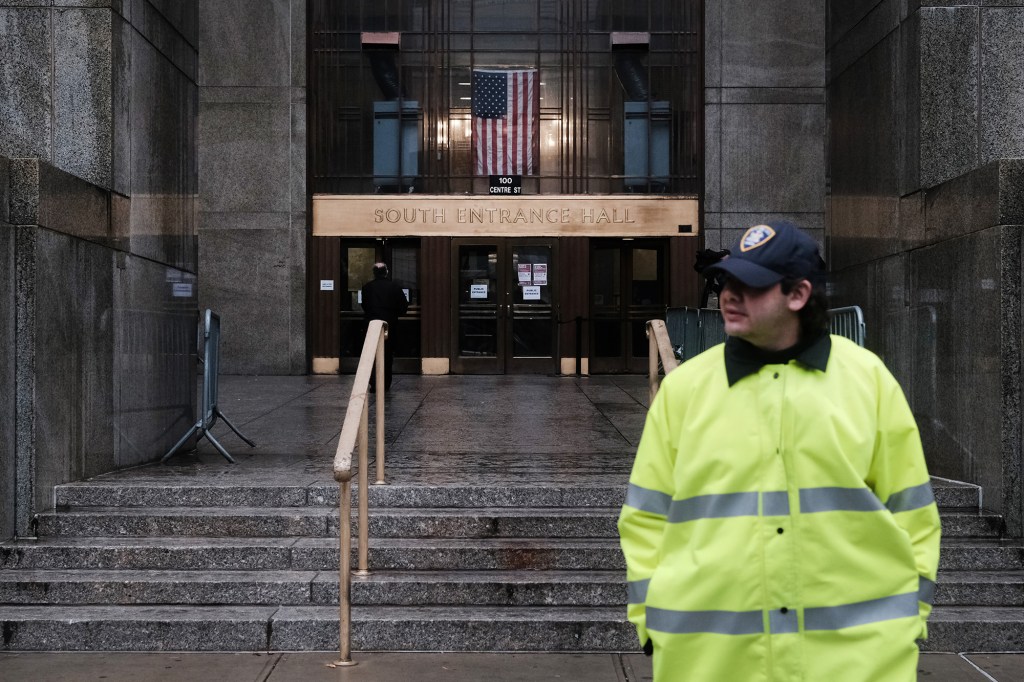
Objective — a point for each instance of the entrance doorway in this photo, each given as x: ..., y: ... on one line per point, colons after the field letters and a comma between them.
x: 403, y: 259
x: 628, y: 287
x: 505, y: 306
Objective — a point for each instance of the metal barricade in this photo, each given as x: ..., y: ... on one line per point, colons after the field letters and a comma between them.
x: 692, y: 331
x: 849, y: 322
x: 712, y: 328
x: 683, y: 326
x: 209, y: 412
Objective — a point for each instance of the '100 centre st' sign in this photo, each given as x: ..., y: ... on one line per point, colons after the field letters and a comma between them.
x: 423, y: 215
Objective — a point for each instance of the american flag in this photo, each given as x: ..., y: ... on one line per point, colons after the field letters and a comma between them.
x: 506, y: 119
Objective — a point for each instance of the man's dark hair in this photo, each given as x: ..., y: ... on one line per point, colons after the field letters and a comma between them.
x: 380, y: 271
x: 814, y: 319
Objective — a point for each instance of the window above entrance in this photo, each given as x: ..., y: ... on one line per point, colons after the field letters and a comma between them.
x: 465, y: 89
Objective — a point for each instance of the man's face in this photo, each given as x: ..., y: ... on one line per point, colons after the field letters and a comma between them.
x: 767, y: 318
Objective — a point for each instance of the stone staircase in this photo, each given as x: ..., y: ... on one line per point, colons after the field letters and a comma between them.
x: 151, y: 566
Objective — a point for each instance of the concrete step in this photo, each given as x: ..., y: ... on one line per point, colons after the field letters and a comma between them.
x: 958, y: 523
x: 416, y: 495
x: 102, y: 493
x: 310, y: 554
x: 385, y: 522
x: 133, y: 587
x: 980, y: 588
x: 956, y: 494
x: 312, y: 628
x: 396, y: 628
x: 964, y: 628
x: 417, y: 588
x: 401, y: 588
x: 429, y: 554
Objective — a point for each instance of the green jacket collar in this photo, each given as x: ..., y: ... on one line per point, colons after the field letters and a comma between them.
x: 743, y: 359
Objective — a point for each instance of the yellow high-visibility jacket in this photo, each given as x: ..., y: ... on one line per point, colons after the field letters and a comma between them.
x: 782, y: 528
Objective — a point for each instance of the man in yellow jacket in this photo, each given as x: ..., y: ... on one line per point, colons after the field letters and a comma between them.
x: 779, y: 522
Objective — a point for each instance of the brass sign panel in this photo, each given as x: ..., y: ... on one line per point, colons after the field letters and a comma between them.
x: 422, y: 215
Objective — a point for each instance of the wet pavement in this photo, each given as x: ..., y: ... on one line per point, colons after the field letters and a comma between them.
x: 438, y: 430
x: 422, y: 667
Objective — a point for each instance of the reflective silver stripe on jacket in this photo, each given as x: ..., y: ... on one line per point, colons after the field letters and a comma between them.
x: 911, y: 498
x: 648, y: 500
x: 636, y: 591
x: 774, y: 503
x: 692, y: 622
x: 925, y: 590
x: 862, y: 613
x: 713, y: 507
x: 752, y: 622
x: 814, y: 500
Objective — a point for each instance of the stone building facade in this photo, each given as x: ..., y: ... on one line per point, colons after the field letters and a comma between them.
x: 154, y: 162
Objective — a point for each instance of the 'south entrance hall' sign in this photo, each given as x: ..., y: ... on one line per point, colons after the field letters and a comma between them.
x: 541, y: 216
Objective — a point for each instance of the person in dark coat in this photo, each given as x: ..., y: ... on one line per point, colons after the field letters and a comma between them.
x: 384, y: 300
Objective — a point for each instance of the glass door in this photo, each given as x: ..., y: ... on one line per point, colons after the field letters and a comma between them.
x: 628, y: 287
x: 505, y: 307
x: 479, y: 322
x: 357, y: 259
x: 532, y: 315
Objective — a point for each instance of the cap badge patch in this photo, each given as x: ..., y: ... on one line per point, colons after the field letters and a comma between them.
x: 758, y: 235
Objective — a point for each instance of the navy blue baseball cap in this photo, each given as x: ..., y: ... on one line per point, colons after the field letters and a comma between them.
x: 768, y: 253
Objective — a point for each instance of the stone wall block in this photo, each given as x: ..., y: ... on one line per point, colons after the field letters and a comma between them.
x: 7, y: 360
x: 73, y: 206
x: 246, y: 277
x: 1002, y: 83
x: 183, y: 15
x: 297, y: 153
x: 24, y: 191
x: 25, y: 380
x: 713, y: 43
x: 244, y: 43
x: 244, y: 154
x: 163, y: 159
x: 155, y: 333
x: 297, y: 49
x: 712, y: 157
x: 1010, y: 333
x: 1011, y: 192
x: 908, y: 87
x: 25, y: 81
x: 773, y: 158
x: 965, y: 204
x: 297, y: 294
x: 864, y: 158
x: 845, y: 15
x: 763, y: 46
x: 121, y: 100
x: 82, y: 107
x: 949, y: 72
x: 956, y: 283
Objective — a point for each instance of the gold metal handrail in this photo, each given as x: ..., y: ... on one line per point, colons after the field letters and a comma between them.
x: 660, y: 348
x: 356, y: 428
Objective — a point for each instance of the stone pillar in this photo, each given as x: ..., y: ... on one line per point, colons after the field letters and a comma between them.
x: 99, y: 181
x: 924, y: 216
x: 252, y: 169
x: 764, y: 115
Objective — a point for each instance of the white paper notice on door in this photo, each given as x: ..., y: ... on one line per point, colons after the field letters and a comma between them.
x: 531, y: 293
x: 540, y: 273
x: 525, y: 273
x: 478, y: 291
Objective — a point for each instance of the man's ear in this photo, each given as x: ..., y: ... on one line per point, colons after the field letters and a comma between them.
x: 799, y: 295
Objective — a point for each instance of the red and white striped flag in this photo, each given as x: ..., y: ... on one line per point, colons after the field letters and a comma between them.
x: 506, y: 121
